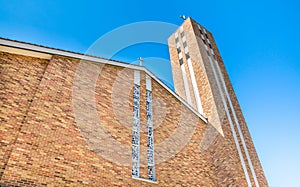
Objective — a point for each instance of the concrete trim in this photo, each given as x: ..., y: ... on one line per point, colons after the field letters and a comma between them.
x: 231, y: 124
x: 148, y: 83
x: 237, y: 125
x: 186, y: 84
x: 52, y: 51
x: 145, y: 180
x: 24, y: 52
x: 137, y: 77
x: 195, y: 87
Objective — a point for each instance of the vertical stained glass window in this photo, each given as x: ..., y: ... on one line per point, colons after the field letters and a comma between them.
x: 136, y: 127
x: 150, y: 150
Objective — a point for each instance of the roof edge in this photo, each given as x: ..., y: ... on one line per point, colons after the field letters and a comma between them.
x: 53, y: 51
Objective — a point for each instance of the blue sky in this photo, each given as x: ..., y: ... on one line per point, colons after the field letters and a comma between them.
x: 258, y: 40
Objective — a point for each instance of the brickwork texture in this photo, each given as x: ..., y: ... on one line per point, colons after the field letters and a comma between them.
x: 49, y: 139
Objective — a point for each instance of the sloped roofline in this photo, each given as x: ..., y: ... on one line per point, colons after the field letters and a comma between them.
x: 28, y: 49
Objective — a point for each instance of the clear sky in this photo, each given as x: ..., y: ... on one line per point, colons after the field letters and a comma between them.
x: 258, y: 40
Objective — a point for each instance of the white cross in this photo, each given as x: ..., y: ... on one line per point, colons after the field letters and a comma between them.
x: 141, y: 61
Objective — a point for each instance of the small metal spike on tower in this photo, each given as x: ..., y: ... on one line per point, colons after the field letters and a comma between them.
x: 183, y: 17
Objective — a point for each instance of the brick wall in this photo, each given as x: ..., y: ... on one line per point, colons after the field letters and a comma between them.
x: 247, y: 136
x: 68, y: 122
x: 218, y: 139
x: 20, y: 79
x: 45, y: 145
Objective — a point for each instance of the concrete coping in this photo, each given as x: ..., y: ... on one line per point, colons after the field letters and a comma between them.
x: 27, y: 49
x: 145, y: 180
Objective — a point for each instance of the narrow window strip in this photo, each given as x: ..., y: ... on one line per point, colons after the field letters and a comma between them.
x: 136, y: 130
x: 150, y: 150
